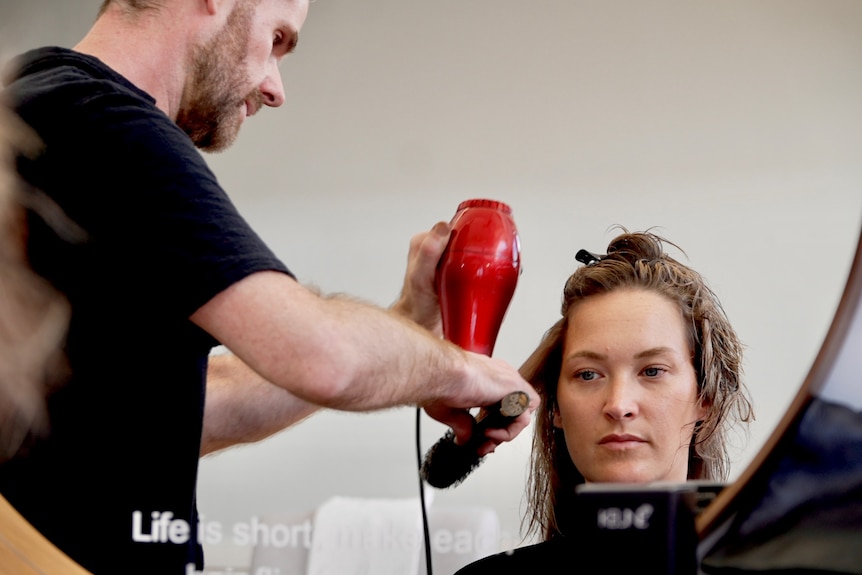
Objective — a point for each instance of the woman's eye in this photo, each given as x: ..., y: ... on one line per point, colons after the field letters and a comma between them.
x: 653, y: 371
x: 586, y: 375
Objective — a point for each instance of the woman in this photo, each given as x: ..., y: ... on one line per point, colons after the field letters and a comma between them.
x: 640, y: 381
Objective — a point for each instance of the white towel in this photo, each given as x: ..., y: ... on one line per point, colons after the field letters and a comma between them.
x: 354, y: 536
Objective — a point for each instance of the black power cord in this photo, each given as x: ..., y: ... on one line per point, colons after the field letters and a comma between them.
x: 425, y: 530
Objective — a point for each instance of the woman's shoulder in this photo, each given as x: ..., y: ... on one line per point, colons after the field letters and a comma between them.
x: 533, y: 558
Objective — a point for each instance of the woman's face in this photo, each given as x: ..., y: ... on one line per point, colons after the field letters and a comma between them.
x: 627, y: 394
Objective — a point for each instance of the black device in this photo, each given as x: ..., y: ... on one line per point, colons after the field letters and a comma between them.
x: 641, y: 528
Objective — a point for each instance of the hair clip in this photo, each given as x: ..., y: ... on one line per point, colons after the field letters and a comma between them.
x: 588, y: 258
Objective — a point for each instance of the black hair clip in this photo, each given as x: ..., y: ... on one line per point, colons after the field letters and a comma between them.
x: 588, y: 258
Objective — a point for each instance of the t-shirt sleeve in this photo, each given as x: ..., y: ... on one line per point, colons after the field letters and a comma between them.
x: 151, y: 205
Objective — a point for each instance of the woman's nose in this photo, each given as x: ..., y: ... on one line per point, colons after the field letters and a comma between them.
x: 621, y: 402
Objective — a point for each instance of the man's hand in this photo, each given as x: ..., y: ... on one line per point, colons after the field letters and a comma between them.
x: 462, y: 423
x: 419, y: 301
x: 455, y: 411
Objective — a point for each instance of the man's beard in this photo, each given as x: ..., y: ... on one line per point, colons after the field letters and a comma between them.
x: 210, y: 110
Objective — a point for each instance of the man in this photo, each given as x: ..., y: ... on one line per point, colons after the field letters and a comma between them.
x: 169, y: 269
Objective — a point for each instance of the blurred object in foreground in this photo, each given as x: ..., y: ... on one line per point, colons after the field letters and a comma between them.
x: 33, y: 315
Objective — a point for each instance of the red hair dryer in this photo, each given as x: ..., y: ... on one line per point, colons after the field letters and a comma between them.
x: 475, y: 281
x: 477, y: 273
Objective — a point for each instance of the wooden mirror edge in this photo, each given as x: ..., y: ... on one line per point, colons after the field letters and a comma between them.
x: 25, y: 551
x: 757, y: 472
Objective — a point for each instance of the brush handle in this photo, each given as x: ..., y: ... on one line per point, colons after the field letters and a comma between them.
x: 504, y: 411
x: 448, y: 463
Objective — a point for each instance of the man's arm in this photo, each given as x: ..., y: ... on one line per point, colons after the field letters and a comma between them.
x: 344, y: 354
x: 243, y: 407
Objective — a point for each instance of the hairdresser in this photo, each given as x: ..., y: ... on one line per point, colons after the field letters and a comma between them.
x: 168, y: 269
x: 640, y: 380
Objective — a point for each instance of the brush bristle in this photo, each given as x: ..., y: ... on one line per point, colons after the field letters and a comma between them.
x: 447, y: 464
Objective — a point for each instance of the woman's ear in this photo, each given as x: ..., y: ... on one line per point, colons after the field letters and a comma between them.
x: 703, y: 406
x: 558, y: 420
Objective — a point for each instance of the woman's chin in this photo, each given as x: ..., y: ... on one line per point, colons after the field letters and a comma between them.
x: 622, y: 475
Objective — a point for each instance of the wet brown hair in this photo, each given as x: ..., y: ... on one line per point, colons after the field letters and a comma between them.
x: 636, y: 260
x: 33, y: 315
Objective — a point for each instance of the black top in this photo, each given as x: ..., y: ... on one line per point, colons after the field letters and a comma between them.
x: 113, y: 484
x: 554, y: 556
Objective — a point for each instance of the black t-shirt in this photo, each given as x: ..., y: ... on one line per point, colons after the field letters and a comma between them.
x: 113, y: 484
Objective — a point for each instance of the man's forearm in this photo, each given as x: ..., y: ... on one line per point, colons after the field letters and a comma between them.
x: 243, y: 407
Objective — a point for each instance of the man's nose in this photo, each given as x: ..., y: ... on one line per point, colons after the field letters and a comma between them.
x: 272, y: 88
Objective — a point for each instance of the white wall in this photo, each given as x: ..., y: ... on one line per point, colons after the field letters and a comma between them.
x: 734, y: 126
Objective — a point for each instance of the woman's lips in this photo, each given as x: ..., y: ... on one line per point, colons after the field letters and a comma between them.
x: 620, y: 441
